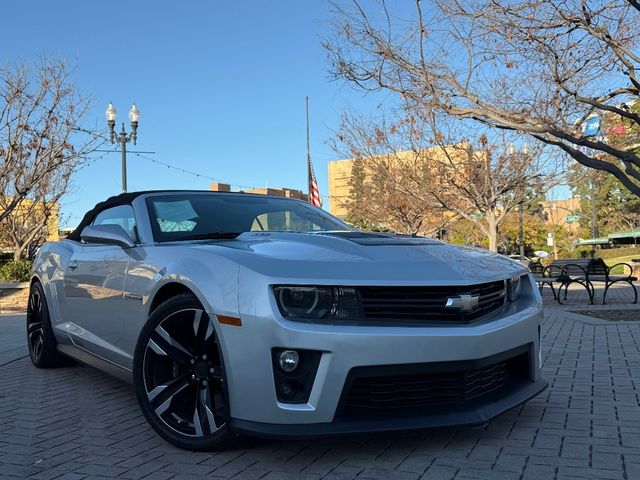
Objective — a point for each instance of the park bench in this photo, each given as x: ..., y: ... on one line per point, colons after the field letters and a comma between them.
x: 583, y: 271
x: 563, y: 273
x: 598, y: 271
x: 543, y: 277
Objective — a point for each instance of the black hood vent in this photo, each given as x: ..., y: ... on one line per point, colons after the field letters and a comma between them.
x: 379, y: 239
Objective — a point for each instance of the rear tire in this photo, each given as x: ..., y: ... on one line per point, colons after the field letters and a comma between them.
x: 179, y: 376
x: 40, y: 338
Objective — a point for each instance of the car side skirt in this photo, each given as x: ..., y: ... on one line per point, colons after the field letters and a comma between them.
x: 82, y: 356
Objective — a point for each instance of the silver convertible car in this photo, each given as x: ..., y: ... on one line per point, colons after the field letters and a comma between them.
x: 238, y: 314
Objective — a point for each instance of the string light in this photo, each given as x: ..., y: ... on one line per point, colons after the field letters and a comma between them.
x: 200, y: 175
x: 178, y: 169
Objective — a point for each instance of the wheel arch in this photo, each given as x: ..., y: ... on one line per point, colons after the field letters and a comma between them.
x: 168, y: 291
x: 215, y: 288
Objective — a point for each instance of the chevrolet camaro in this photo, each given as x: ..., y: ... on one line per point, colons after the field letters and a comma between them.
x: 235, y: 314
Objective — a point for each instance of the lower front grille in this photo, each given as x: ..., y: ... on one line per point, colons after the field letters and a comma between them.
x: 409, y: 389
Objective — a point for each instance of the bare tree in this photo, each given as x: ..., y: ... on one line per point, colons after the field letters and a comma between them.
x: 434, y: 167
x: 539, y: 67
x: 40, y: 111
x: 379, y: 173
x: 29, y: 223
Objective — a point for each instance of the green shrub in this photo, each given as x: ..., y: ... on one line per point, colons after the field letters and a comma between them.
x: 607, y: 252
x: 19, y: 271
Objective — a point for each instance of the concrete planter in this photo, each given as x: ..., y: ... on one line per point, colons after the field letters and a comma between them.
x: 14, y: 297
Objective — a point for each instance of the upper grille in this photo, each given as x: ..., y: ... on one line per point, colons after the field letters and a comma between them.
x: 427, y: 304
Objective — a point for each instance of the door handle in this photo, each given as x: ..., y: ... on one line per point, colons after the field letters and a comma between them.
x: 72, y: 265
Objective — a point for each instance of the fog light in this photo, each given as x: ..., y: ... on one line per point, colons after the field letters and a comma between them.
x: 288, y: 360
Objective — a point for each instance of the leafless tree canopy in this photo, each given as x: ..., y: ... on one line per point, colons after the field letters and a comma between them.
x: 384, y: 164
x: 539, y: 67
x: 40, y: 141
x: 422, y: 165
x: 29, y: 222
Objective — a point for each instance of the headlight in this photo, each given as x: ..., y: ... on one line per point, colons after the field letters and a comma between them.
x: 514, y: 288
x: 304, y: 302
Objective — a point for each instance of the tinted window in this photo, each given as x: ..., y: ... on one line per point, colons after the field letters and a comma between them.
x: 121, y: 215
x: 178, y: 216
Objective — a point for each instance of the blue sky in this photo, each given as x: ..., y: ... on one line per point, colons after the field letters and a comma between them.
x: 220, y: 85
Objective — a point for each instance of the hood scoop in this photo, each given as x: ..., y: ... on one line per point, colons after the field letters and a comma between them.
x: 379, y: 239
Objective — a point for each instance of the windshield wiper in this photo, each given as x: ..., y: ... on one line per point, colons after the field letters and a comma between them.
x: 211, y: 235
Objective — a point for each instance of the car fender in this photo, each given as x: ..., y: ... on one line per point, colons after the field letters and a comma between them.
x: 216, y: 296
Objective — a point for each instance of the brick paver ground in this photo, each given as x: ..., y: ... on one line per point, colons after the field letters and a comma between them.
x: 77, y: 423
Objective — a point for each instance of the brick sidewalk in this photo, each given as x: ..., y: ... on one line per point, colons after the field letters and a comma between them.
x: 79, y: 423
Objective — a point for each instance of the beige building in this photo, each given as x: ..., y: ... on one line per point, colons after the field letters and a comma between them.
x: 340, y: 171
x: 563, y: 213
x: 339, y: 189
x: 340, y: 176
x: 277, y: 192
x: 29, y: 213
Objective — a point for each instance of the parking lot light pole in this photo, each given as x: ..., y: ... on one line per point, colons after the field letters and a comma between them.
x: 123, y: 138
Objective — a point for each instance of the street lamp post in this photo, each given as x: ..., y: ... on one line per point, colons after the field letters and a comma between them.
x: 595, y: 231
x: 123, y: 138
x: 521, y: 230
x: 554, y: 208
x: 520, y: 207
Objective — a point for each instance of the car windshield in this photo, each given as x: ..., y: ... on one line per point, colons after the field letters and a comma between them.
x: 202, y: 216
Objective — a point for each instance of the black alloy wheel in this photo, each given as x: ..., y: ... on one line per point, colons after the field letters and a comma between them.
x: 35, y: 332
x: 179, y: 376
x: 40, y: 338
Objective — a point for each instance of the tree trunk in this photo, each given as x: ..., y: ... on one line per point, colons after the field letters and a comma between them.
x: 492, y: 233
x: 17, y: 254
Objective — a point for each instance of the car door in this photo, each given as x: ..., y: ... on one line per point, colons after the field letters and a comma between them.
x: 94, y: 283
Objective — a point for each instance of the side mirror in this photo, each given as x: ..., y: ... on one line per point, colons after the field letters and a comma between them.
x: 110, y: 234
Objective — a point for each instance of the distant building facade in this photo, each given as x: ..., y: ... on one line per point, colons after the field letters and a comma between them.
x: 277, y: 192
x: 340, y: 171
x: 339, y: 188
x: 28, y: 212
x: 563, y: 213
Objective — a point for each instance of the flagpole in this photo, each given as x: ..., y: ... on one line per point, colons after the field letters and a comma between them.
x: 313, y: 195
x: 306, y: 99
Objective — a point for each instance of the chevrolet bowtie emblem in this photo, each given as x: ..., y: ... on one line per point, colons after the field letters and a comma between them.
x: 466, y: 303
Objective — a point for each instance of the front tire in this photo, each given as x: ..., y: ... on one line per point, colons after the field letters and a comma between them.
x: 40, y: 338
x: 179, y: 376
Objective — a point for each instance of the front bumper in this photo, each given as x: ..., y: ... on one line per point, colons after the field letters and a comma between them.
x: 255, y: 408
x: 470, y: 415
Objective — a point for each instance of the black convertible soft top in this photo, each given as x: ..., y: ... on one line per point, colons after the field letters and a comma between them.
x: 122, y: 199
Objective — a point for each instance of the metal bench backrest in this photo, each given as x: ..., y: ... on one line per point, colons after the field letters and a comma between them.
x: 580, y: 266
x: 598, y: 267
x: 536, y: 268
x: 571, y: 266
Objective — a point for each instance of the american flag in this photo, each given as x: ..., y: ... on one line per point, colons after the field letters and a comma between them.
x: 314, y: 193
